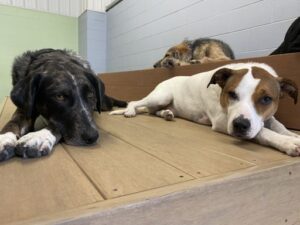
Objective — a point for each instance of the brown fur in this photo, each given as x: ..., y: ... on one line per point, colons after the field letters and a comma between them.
x: 210, y: 53
x: 198, y: 51
x: 268, y: 86
x: 231, y: 84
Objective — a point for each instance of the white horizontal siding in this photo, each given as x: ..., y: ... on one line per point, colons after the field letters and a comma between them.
x: 139, y: 32
x: 63, y: 7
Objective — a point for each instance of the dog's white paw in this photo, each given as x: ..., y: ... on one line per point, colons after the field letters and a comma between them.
x: 167, y: 114
x: 130, y: 112
x: 290, y: 145
x: 35, y: 144
x: 8, y: 143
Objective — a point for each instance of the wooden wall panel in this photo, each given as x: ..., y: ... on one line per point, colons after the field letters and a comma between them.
x: 133, y: 85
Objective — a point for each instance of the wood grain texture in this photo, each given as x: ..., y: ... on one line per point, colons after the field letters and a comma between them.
x: 2, y: 103
x: 118, y: 168
x: 247, y: 197
x: 184, y: 154
x: 35, y: 187
x: 267, y: 197
x: 213, y: 141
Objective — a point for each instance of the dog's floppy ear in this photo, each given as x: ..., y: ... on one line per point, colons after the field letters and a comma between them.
x: 99, y: 89
x: 24, y: 93
x: 220, y: 77
x: 289, y: 87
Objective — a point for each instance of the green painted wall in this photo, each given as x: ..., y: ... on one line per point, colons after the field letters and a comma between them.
x: 22, y: 29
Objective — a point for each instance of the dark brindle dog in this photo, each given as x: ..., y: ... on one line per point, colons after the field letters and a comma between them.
x: 63, y: 89
x: 201, y: 50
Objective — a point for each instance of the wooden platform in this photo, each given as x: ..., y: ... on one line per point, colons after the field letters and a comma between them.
x: 149, y: 171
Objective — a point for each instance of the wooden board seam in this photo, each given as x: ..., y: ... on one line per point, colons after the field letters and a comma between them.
x: 85, y: 174
x: 216, y: 152
x: 3, y: 106
x: 111, y: 204
x: 152, y: 155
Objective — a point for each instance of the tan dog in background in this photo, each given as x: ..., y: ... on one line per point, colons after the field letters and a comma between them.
x: 201, y: 50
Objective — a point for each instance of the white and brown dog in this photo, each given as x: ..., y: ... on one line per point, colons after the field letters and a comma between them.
x: 238, y: 99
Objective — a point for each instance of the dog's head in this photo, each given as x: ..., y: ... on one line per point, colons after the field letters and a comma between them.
x: 64, y: 93
x: 251, y: 96
x: 178, y: 55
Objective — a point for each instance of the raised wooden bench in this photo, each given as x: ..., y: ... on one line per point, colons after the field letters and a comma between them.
x: 149, y: 171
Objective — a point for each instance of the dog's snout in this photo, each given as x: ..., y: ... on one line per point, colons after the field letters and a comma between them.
x: 241, y: 125
x: 90, y: 137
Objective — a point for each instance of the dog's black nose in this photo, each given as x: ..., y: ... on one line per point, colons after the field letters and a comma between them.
x: 241, y: 125
x: 90, y: 137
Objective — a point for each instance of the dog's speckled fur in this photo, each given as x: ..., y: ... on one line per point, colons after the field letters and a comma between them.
x: 63, y: 89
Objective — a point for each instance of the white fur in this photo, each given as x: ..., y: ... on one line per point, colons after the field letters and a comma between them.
x: 245, y: 105
x: 42, y: 140
x: 189, y: 98
x: 7, y: 139
x: 88, y: 116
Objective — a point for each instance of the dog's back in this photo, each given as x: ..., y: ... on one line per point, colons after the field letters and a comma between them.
x: 207, y: 47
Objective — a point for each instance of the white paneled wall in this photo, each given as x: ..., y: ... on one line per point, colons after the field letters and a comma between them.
x: 139, y: 32
x: 63, y: 7
x: 92, y: 39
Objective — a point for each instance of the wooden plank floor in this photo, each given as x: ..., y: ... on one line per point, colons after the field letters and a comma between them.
x: 133, y: 157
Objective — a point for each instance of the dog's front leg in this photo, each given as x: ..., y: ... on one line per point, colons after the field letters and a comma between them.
x: 38, y: 143
x: 278, y: 127
x: 18, y: 125
x: 287, y: 144
x: 194, y: 61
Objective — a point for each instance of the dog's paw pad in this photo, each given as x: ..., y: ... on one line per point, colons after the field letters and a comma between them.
x: 7, y: 152
x: 168, y: 115
x: 31, y: 152
x: 35, y: 144
x: 7, y: 146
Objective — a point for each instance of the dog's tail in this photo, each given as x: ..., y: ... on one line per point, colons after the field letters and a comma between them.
x: 110, y: 102
x: 118, y: 103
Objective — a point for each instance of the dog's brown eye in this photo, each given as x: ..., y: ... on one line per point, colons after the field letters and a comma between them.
x: 266, y: 100
x: 60, y: 97
x: 232, y: 95
x: 90, y: 95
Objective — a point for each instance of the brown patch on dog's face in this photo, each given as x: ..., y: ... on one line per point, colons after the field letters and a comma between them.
x: 228, y: 80
x: 178, y: 52
x: 267, y: 93
x: 178, y: 55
